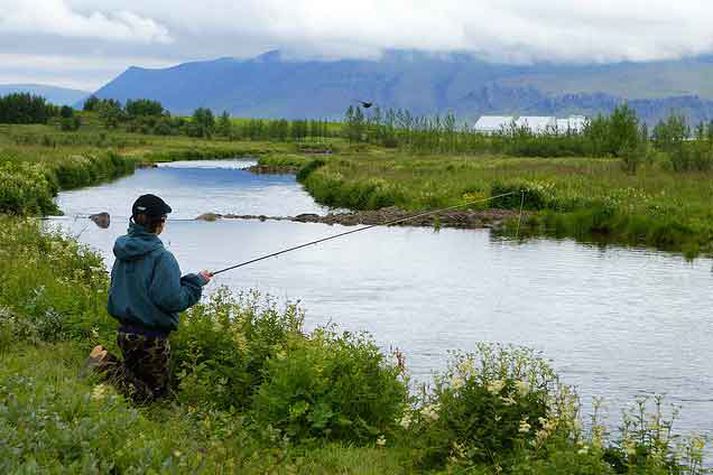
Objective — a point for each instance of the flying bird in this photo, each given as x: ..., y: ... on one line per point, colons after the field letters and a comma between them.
x: 364, y: 104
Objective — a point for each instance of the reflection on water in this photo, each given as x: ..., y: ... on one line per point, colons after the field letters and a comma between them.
x: 616, y: 323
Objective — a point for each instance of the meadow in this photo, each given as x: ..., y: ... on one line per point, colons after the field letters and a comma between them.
x: 253, y: 391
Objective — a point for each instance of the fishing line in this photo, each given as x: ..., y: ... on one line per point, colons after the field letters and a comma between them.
x: 364, y: 228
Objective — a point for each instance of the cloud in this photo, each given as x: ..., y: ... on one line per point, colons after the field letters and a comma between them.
x: 517, y: 31
x: 55, y: 17
x: 80, y: 72
x: 505, y: 30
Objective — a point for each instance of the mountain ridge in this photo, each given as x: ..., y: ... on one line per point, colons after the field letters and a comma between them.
x: 270, y: 85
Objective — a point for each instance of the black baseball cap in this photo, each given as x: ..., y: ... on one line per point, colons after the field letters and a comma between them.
x: 150, y: 205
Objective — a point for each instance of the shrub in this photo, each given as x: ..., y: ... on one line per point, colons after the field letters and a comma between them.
x: 222, y: 346
x: 537, y: 195
x: 53, y: 288
x: 489, y: 405
x: 331, y: 386
x: 310, y: 167
x: 25, y: 189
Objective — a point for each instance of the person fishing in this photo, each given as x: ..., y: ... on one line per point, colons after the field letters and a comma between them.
x: 146, y: 294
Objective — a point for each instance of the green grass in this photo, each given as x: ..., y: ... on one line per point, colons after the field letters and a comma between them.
x: 36, y: 161
x: 590, y: 199
x: 255, y: 393
x: 53, y: 422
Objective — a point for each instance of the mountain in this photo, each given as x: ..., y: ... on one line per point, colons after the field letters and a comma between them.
x: 424, y: 83
x: 56, y: 95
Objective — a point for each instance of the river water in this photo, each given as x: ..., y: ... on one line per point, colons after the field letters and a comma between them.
x: 615, y: 322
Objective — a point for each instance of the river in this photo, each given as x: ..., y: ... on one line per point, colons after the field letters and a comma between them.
x: 615, y: 322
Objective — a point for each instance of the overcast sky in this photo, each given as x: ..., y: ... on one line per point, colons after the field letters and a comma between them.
x: 85, y: 43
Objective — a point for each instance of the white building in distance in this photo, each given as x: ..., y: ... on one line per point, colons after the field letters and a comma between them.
x: 490, y: 124
x: 537, y: 124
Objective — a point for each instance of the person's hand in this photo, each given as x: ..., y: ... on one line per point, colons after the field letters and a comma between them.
x: 206, y: 275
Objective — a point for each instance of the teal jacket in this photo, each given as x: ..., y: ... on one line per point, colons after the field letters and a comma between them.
x: 146, y: 284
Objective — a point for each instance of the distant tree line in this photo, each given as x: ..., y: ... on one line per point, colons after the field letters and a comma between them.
x: 150, y: 117
x: 25, y: 108
x: 620, y: 134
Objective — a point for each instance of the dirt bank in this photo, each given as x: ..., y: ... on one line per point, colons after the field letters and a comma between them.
x: 464, y: 219
x: 273, y: 169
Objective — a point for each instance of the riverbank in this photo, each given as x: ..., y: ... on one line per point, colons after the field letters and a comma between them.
x: 36, y: 161
x: 588, y: 199
x: 255, y: 392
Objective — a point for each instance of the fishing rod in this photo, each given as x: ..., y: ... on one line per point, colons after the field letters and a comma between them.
x: 366, y: 228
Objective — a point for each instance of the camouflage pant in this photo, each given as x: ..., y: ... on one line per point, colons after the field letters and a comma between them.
x: 144, y: 374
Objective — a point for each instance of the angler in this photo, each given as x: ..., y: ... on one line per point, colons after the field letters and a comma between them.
x: 146, y: 295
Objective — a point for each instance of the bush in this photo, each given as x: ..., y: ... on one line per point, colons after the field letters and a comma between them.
x: 53, y: 288
x: 537, y: 195
x: 242, y: 352
x: 331, y: 386
x: 490, y: 405
x: 310, y: 167
x: 222, y: 347
x: 25, y: 189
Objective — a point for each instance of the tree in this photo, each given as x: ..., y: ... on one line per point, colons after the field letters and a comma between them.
x: 225, y: 125
x: 354, y: 124
x: 110, y: 112
x: 202, y: 123
x: 91, y: 103
x: 623, y: 130
x: 670, y: 134
x: 66, y: 112
x: 24, y: 108
x: 143, y: 107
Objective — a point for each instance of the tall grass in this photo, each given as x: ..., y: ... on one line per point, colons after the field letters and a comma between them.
x: 585, y: 198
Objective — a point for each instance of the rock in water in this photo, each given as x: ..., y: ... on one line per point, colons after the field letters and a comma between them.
x: 103, y: 219
x: 209, y: 217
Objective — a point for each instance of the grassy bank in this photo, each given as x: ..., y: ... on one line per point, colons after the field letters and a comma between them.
x: 590, y: 199
x: 254, y: 392
x: 36, y: 161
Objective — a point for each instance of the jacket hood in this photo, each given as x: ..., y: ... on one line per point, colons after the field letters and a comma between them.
x: 136, y: 244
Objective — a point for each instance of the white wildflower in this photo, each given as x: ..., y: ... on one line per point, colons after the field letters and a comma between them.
x: 430, y: 412
x: 629, y: 447
x: 99, y: 392
x: 406, y: 421
x: 381, y: 441
x: 522, y: 388
x: 524, y: 427
x: 508, y: 401
x: 496, y: 386
x: 457, y: 382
